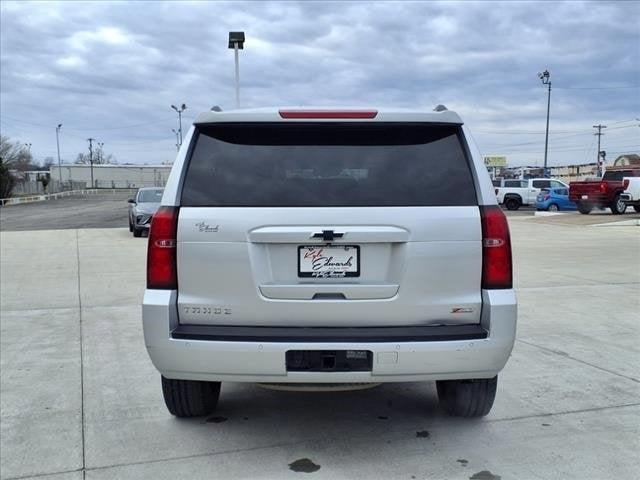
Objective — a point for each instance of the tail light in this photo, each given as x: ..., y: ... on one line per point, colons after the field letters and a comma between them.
x: 497, y: 190
x: 496, y: 249
x: 625, y: 183
x: 161, y: 251
x: 603, y: 187
x: 310, y: 114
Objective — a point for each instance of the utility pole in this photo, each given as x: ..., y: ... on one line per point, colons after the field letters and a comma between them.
x: 182, y: 108
x: 545, y: 78
x: 59, y: 166
x: 91, y: 140
x: 599, y: 134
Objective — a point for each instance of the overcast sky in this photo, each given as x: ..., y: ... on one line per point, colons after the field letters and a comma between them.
x: 111, y: 70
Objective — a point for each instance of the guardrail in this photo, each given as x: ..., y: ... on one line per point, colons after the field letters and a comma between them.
x: 42, y: 198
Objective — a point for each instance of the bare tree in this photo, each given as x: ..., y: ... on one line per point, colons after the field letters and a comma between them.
x: 47, y: 162
x: 15, y: 155
x: 99, y: 158
x: 12, y: 157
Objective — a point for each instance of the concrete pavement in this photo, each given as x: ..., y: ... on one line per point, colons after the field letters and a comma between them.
x: 80, y: 398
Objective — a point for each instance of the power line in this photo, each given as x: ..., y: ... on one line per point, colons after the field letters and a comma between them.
x: 599, y: 88
x: 89, y: 129
x: 558, y: 132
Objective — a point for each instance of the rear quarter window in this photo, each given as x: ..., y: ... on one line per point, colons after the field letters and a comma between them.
x: 328, y: 165
x: 541, y: 184
x: 514, y: 183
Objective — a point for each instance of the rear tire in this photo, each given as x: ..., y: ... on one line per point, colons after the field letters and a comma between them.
x: 190, y: 398
x: 137, y: 232
x: 636, y: 208
x: 512, y: 203
x: 130, y: 225
x: 618, y: 206
x: 584, y: 208
x: 553, y: 208
x: 467, y: 398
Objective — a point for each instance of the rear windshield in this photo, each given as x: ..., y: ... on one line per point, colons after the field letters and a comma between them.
x: 617, y: 175
x: 327, y: 165
x: 150, y: 196
x: 515, y: 183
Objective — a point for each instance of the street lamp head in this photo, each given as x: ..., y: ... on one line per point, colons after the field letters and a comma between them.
x: 183, y: 107
x: 236, y: 38
x: 59, y: 126
x: 544, y: 76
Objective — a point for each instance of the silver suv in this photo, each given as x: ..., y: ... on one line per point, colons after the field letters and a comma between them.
x: 329, y: 247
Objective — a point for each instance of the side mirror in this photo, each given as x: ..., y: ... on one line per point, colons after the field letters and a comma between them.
x: 131, y: 200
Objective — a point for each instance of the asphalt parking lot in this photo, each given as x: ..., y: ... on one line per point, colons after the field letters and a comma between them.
x: 102, y: 210
x: 80, y: 398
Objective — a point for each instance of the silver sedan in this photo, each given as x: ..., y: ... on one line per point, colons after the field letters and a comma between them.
x: 142, y: 208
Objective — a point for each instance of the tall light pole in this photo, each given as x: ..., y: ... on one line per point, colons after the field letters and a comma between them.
x: 177, y: 134
x: 236, y: 42
x: 182, y: 108
x: 100, y: 153
x: 91, y: 140
x: 545, y: 78
x: 59, y: 166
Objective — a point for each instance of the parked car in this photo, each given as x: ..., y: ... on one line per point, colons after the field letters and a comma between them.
x: 266, y: 262
x: 603, y: 193
x: 142, y: 208
x: 515, y: 193
x: 631, y: 193
x: 554, y: 199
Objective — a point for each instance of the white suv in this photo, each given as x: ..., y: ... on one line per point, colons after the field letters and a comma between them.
x: 327, y: 246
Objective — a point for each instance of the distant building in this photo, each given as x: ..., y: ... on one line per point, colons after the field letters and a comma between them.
x: 627, y: 159
x: 113, y: 176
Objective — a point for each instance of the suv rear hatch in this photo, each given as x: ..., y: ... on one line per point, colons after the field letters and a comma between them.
x: 328, y: 224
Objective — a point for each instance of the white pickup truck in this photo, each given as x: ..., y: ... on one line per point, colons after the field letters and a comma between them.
x: 631, y: 194
x: 515, y: 193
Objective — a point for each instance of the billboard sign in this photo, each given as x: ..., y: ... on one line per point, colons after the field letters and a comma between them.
x: 495, y: 161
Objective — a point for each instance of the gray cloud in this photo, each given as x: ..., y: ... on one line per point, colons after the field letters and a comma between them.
x: 101, y: 67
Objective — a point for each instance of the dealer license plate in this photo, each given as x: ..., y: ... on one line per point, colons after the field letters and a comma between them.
x: 328, y: 261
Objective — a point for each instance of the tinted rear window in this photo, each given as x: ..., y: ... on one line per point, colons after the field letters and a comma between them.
x: 324, y: 165
x: 541, y: 183
x: 514, y: 183
x: 618, y: 175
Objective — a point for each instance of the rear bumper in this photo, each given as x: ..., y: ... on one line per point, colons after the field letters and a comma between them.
x: 591, y: 198
x: 183, y: 353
